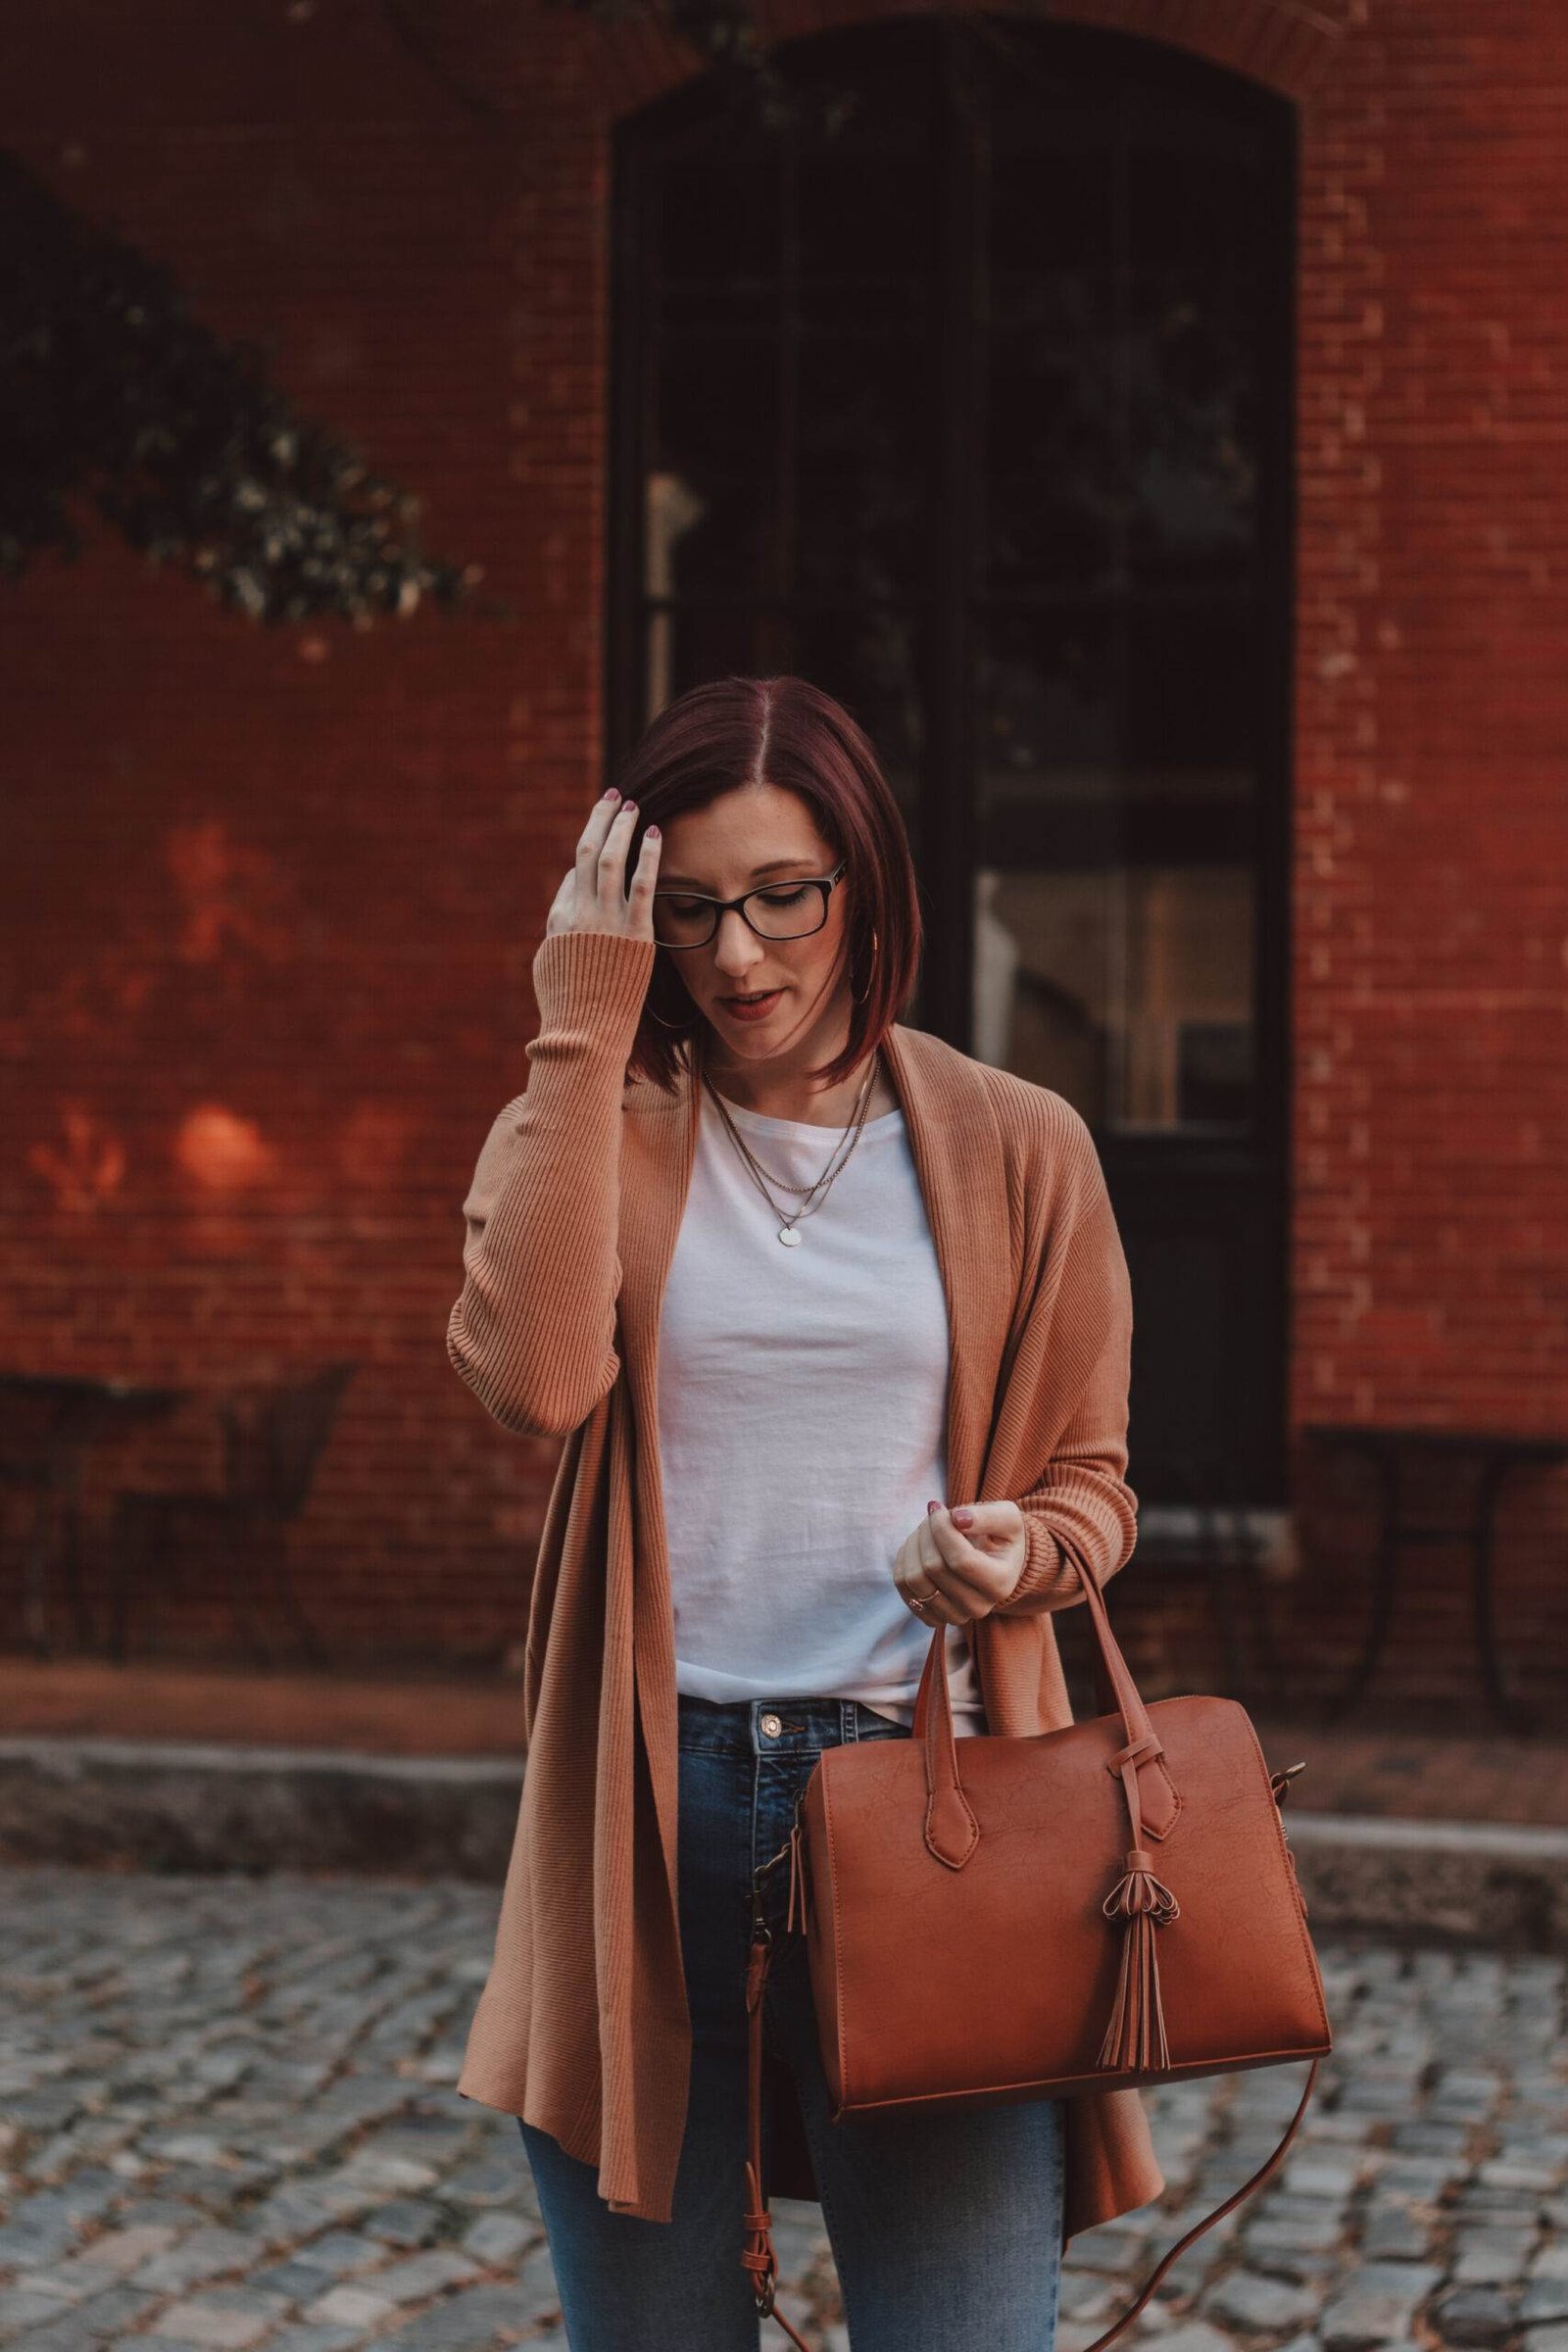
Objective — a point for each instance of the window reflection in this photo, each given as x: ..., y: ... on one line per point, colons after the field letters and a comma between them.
x: 1130, y: 992
x: 1114, y: 905
x: 673, y: 508
x: 1115, y: 649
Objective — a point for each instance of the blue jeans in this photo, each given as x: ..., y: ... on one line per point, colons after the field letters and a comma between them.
x: 945, y: 2229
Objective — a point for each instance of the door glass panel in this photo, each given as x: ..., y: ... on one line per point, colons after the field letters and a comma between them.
x: 1192, y: 415
x: 1052, y: 439
x: 1188, y: 721
x: 1049, y: 881
x: 1114, y: 890
x: 686, y: 643
x: 711, y: 237
x: 959, y: 384
x: 1052, y: 153
x: 868, y: 657
x: 713, y: 440
x: 863, y: 214
x: 785, y: 412
x: 996, y: 291
x: 1116, y: 660
x: 1190, y: 179
x: 860, y: 461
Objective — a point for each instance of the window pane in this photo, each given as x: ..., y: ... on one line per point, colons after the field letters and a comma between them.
x: 1126, y: 989
x: 868, y: 659
x: 860, y: 505
x: 1046, y: 732
x: 713, y: 238
x: 864, y: 222
x: 1051, y: 149
x: 1115, y: 892
x: 710, y: 502
x: 689, y: 642
x: 1192, y: 424
x: 1192, y: 186
x: 1077, y: 352
x: 1053, y: 439
x: 1049, y: 861
x: 1191, y: 690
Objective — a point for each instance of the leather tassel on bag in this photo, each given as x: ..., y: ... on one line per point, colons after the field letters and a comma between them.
x: 1136, y: 2034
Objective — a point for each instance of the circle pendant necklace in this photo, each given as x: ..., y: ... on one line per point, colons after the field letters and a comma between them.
x: 814, y: 1193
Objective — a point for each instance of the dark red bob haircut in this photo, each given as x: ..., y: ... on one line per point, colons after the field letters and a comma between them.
x: 737, y: 731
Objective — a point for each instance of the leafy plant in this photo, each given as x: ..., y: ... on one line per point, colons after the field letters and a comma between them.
x: 116, y: 399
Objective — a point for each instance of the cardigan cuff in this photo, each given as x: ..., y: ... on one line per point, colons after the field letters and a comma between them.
x: 594, y: 982
x: 1042, y: 1562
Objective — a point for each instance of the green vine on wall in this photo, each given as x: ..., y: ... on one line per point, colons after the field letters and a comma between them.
x: 116, y: 399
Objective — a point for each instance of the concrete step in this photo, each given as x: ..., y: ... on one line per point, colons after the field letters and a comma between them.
x: 1482, y: 1883
x: 193, y: 1806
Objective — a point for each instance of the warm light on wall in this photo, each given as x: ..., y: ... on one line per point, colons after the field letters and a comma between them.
x: 223, y: 1153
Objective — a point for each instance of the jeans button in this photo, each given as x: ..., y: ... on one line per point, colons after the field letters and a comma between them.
x: 772, y: 1725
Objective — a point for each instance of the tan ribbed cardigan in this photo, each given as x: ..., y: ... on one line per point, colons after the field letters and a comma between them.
x: 572, y: 1223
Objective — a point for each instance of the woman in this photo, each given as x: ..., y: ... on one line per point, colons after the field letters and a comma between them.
x: 834, y: 1321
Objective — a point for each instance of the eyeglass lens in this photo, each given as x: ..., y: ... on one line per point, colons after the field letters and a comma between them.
x: 788, y: 911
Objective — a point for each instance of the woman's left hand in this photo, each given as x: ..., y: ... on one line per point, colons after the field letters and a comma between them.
x: 968, y: 1559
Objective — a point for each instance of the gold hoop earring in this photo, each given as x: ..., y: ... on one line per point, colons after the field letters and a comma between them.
x: 654, y: 1015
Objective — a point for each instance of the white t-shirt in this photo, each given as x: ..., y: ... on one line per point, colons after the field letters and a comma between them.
x: 802, y: 1421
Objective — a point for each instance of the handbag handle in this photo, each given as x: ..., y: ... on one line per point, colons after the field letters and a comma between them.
x: 952, y: 1832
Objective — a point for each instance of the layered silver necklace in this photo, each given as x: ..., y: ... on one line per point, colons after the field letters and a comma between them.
x: 813, y: 1194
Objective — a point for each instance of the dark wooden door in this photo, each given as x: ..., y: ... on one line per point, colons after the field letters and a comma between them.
x: 959, y: 382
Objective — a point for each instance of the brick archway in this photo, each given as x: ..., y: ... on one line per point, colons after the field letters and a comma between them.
x: 604, y: 70
x: 1288, y: 45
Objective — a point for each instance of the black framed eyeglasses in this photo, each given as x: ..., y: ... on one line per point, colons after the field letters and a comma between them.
x: 686, y: 918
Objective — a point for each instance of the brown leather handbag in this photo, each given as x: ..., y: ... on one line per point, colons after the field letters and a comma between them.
x: 924, y: 1882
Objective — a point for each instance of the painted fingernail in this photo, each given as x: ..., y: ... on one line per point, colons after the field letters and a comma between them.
x: 611, y: 793
x: 652, y: 833
x: 963, y: 1517
x: 932, y: 1506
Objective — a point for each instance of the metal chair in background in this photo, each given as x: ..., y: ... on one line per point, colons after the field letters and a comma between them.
x: 51, y: 1424
x: 273, y: 1435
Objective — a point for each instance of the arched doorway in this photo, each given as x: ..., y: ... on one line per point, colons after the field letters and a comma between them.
x: 966, y: 389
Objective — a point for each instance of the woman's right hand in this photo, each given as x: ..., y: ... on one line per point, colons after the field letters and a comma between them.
x: 593, y: 895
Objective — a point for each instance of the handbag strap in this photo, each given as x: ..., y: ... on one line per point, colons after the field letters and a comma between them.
x: 1208, y: 2223
x: 758, y: 2256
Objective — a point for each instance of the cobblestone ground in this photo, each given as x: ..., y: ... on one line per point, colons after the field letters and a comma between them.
x: 228, y: 2121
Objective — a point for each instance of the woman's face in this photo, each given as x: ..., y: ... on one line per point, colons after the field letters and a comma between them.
x: 754, y: 836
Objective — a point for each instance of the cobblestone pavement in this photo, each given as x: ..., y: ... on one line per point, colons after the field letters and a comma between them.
x: 229, y: 2121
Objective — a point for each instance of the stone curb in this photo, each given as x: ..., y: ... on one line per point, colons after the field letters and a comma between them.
x: 1436, y: 1881
x: 181, y: 1806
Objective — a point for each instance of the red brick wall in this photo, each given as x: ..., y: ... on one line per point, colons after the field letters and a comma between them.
x: 272, y: 895
x: 1431, y: 1264
x: 272, y: 899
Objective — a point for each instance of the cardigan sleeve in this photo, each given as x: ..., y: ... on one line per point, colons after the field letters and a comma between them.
x: 1080, y: 1500
x: 533, y: 1331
